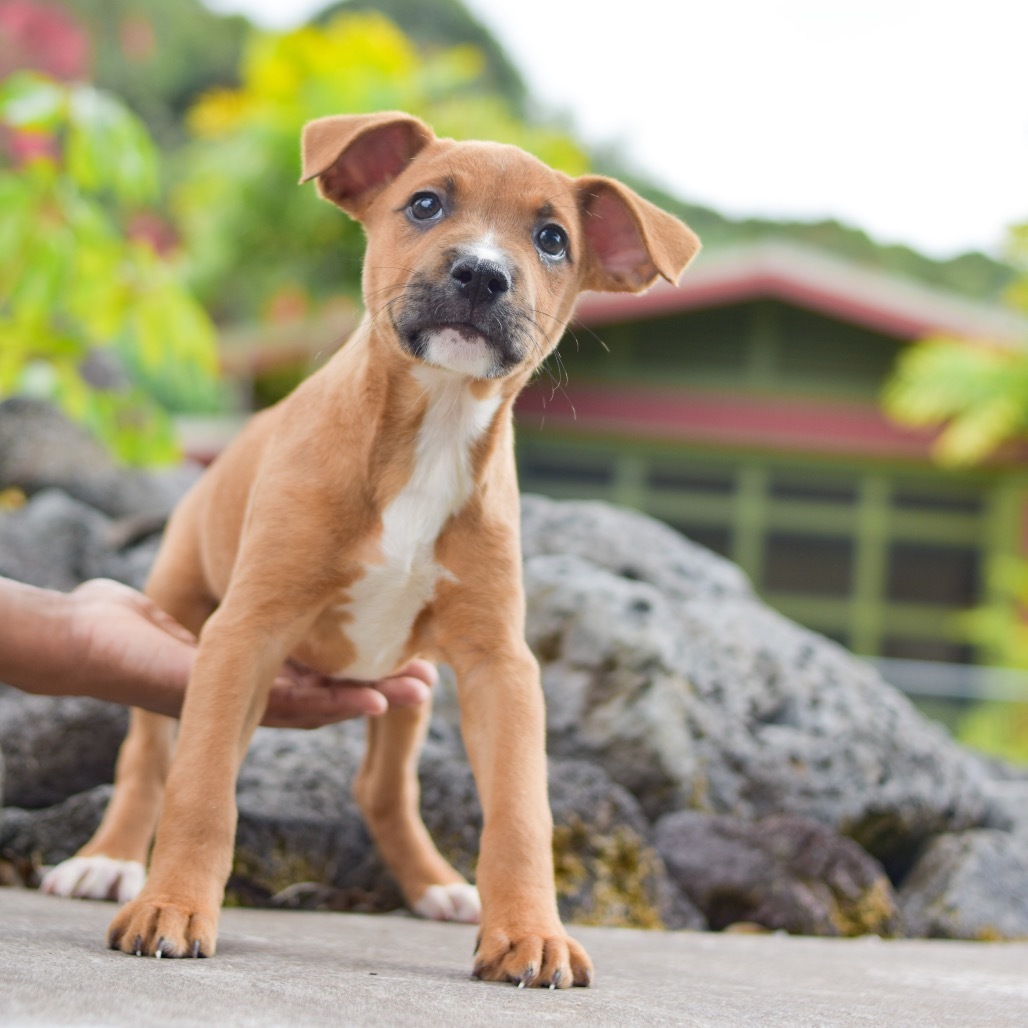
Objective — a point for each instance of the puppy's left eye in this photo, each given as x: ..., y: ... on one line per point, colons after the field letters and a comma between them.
x: 424, y: 206
x: 552, y: 240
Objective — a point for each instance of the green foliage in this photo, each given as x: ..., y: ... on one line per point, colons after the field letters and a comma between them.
x: 158, y: 56
x: 251, y: 232
x: 82, y: 303
x: 979, y: 392
x: 445, y: 23
x: 1000, y: 729
x: 1002, y: 627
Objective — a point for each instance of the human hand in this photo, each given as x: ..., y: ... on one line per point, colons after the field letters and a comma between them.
x: 126, y: 649
x: 301, y: 698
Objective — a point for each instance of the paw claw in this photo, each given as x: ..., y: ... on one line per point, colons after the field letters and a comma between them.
x: 532, y: 960
x: 163, y: 928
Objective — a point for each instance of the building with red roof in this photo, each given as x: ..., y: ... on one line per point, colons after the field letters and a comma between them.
x: 744, y: 408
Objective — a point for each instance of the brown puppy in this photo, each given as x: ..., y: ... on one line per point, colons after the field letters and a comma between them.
x: 373, y: 516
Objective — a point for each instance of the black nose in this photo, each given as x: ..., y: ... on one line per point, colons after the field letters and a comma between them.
x: 479, y: 280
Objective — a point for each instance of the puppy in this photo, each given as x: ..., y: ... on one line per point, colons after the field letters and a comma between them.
x: 372, y: 516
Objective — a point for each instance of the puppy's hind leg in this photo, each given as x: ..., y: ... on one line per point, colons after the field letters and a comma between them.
x: 388, y: 794
x: 112, y: 864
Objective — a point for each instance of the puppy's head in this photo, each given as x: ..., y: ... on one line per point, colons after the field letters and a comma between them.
x: 477, y: 251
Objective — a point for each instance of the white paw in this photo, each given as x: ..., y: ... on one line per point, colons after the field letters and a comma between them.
x: 457, y: 902
x: 102, y: 878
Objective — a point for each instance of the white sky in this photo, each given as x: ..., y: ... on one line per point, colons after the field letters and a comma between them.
x: 908, y: 118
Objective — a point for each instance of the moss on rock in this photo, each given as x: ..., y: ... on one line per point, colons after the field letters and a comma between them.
x: 609, y: 879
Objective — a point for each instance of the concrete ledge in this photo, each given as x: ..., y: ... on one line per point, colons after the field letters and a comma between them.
x: 280, y: 968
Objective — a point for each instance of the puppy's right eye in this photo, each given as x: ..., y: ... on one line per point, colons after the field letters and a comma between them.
x: 424, y: 206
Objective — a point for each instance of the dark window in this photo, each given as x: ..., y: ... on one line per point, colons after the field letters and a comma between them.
x: 817, y: 347
x: 928, y: 649
x: 671, y: 478
x: 824, y: 490
x: 923, y: 573
x: 714, y: 537
x: 838, y: 636
x: 803, y: 564
x: 708, y: 342
x: 539, y: 470
x: 932, y: 500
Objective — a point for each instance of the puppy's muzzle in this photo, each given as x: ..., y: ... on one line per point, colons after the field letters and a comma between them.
x: 464, y: 317
x: 480, y: 281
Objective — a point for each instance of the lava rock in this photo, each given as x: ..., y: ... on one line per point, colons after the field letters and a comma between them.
x: 661, y: 664
x: 56, y: 747
x: 969, y: 885
x: 786, y: 873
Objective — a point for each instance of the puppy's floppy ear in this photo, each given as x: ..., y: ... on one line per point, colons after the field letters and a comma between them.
x: 354, y: 155
x: 629, y: 242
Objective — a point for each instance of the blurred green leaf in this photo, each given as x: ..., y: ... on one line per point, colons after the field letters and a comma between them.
x: 74, y: 281
x: 977, y: 394
x: 31, y: 101
x: 108, y: 148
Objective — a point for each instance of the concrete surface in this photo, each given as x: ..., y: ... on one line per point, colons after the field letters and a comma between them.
x: 283, y: 968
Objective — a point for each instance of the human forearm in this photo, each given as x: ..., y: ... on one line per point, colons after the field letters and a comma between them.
x: 46, y: 649
x: 109, y: 642
x: 36, y: 637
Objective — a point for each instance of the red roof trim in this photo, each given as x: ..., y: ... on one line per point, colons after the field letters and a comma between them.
x: 884, y: 303
x: 849, y: 428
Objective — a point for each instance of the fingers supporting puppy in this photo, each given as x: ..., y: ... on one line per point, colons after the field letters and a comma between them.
x: 311, y: 701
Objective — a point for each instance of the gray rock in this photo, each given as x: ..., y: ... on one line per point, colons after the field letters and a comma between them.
x: 45, y: 837
x: 299, y: 824
x: 41, y: 449
x: 669, y: 685
x: 51, y: 540
x: 56, y: 542
x: 633, y: 546
x: 1009, y: 798
x: 608, y: 871
x: 56, y: 747
x: 971, y: 885
x: 661, y: 664
x: 786, y: 873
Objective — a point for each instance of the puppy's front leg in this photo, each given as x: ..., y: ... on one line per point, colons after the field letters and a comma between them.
x: 503, y: 723
x: 176, y: 914
x: 481, y: 628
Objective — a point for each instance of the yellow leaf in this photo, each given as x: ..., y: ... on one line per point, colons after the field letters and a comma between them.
x: 218, y: 112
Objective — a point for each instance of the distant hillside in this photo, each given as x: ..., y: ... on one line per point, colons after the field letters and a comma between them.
x: 448, y: 22
x: 975, y: 275
x: 159, y: 55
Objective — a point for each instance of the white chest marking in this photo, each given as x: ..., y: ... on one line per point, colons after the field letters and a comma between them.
x: 385, y: 601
